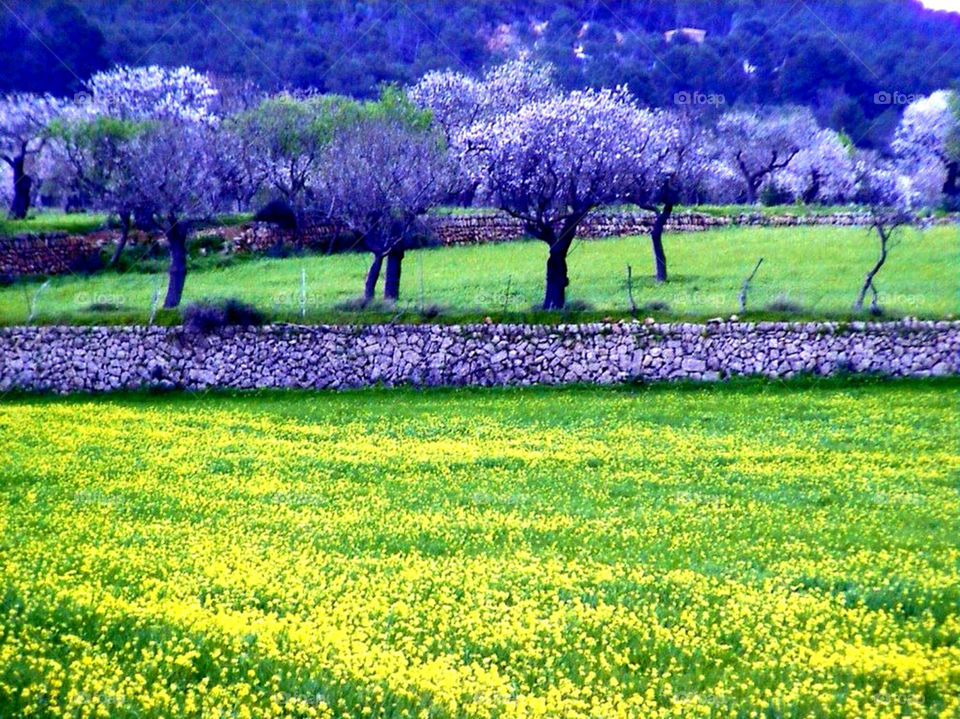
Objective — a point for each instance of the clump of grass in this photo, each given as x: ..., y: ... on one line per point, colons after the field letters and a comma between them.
x: 657, y: 306
x: 784, y: 305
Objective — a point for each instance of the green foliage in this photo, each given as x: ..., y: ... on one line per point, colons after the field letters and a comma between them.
x: 393, y: 105
x: 293, y: 125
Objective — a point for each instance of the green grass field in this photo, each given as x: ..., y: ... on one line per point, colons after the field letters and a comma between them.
x: 46, y: 221
x: 743, y: 550
x: 814, y: 271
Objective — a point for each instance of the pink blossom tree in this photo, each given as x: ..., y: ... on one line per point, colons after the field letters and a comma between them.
x: 928, y: 139
x: 24, y: 132
x: 550, y: 164
x: 759, y: 144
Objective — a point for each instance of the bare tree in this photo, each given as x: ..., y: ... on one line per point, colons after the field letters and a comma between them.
x: 760, y: 144
x: 890, y: 197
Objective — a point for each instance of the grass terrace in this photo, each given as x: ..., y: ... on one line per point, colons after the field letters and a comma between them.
x: 807, y: 273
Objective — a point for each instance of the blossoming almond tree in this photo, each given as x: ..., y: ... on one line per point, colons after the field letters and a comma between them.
x: 550, y: 164
x: 378, y: 178
x: 173, y: 168
x: 24, y: 132
x: 673, y: 153
x: 892, y: 197
x: 760, y: 144
x: 928, y: 139
x: 823, y: 171
x: 457, y: 101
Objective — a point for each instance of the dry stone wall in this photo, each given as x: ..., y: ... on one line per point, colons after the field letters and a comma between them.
x: 92, y: 359
x: 47, y: 254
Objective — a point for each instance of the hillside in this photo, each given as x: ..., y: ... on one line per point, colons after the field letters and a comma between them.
x: 833, y: 56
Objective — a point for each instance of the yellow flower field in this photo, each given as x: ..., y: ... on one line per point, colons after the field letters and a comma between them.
x: 745, y: 551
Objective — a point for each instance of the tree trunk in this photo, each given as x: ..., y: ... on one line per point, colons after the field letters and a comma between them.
x: 22, y: 183
x: 656, y: 237
x: 868, y: 281
x: 177, y: 239
x: 555, y: 292
x: 125, y: 220
x: 810, y: 194
x: 373, y: 274
x: 391, y: 283
x: 555, y: 295
x: 951, y: 187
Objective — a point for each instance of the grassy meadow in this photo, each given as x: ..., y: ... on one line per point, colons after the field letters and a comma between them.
x: 808, y: 272
x: 743, y: 550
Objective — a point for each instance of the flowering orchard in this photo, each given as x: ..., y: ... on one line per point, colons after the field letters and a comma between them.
x: 167, y: 148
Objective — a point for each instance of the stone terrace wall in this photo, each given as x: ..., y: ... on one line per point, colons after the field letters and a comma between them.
x: 89, y: 359
x: 46, y: 254
x: 481, y: 228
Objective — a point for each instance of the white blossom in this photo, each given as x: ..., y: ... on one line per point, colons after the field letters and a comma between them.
x: 756, y: 145
x: 823, y: 171
x: 148, y: 93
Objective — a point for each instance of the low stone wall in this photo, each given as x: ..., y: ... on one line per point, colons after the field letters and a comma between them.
x: 486, y: 227
x: 47, y: 254
x: 92, y: 359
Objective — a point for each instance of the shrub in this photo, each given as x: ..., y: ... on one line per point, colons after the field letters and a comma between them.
x: 771, y: 196
x: 207, y: 317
